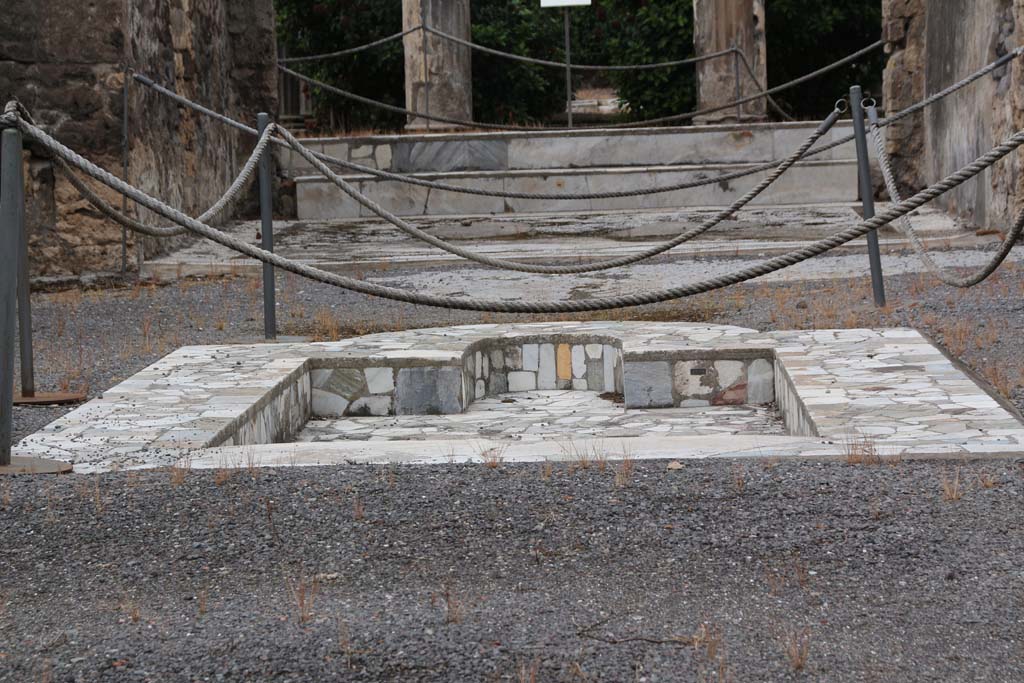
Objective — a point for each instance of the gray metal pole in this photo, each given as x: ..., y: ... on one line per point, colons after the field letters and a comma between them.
x: 267, y: 233
x: 12, y: 215
x: 736, y: 78
x: 124, y: 171
x: 424, y: 54
x: 568, y: 69
x: 28, y: 373
x: 867, y: 197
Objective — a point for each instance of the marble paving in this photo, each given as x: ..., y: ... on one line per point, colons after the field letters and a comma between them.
x: 361, y: 245
x: 532, y: 416
x: 690, y: 390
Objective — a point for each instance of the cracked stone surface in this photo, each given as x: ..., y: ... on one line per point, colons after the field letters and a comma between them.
x: 536, y: 415
x: 889, y: 385
x: 358, y: 245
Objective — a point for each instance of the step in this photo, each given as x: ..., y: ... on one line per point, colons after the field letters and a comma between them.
x: 809, y: 182
x: 531, y: 150
x: 363, y: 246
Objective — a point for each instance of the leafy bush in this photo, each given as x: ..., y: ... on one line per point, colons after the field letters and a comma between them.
x: 306, y: 28
x: 802, y: 35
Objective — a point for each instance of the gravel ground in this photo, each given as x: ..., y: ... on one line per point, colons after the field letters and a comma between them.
x: 93, y: 340
x: 714, y: 571
x: 717, y: 571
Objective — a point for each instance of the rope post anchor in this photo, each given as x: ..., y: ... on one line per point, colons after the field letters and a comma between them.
x: 267, y: 236
x: 11, y: 217
x: 12, y: 237
x: 867, y: 197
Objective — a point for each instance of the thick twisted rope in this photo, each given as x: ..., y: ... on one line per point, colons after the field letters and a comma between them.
x: 436, y: 185
x: 542, y: 196
x: 351, y: 50
x: 606, y: 303
x: 629, y: 124
x: 964, y: 281
x: 521, y: 267
x: 577, y: 67
x: 229, y: 197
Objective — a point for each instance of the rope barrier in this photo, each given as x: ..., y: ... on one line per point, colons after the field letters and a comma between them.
x: 629, y: 124
x: 437, y: 185
x: 791, y: 258
x: 521, y: 267
x: 918, y: 246
x: 542, y: 196
x: 229, y: 197
x: 351, y: 50
x: 578, y: 67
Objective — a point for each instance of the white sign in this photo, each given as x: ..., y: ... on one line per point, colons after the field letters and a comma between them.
x: 563, y: 3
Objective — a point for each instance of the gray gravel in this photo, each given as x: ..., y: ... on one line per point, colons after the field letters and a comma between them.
x: 129, y: 577
x: 474, y: 574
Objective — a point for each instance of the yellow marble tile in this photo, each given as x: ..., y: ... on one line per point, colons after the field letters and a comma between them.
x: 564, y: 361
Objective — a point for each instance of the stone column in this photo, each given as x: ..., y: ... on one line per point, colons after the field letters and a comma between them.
x: 719, y: 25
x: 444, y: 85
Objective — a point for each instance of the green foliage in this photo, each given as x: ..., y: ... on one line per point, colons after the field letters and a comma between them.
x: 509, y: 91
x: 802, y: 35
x: 641, y: 32
x: 305, y: 28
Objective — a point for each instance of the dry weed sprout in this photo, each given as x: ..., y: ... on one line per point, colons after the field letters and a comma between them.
x: 221, y: 476
x: 325, y: 326
x: 952, y: 489
x: 861, y: 449
x: 527, y: 673
x: 303, y: 592
x: 987, y: 480
x: 180, y: 470
x: 739, y: 477
x: 797, y: 647
x: 358, y: 509
x: 452, y: 606
x: 578, y: 454
x: 546, y: 470
x: 493, y: 457
x: 624, y: 473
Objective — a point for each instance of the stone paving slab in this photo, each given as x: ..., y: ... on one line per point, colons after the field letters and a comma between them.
x: 533, y: 416
x: 359, y: 246
x: 891, y: 386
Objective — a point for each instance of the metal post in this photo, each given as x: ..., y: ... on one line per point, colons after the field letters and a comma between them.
x: 736, y: 77
x: 267, y: 236
x: 866, y: 192
x: 124, y: 171
x: 568, y: 69
x: 424, y: 55
x: 28, y: 373
x: 12, y: 216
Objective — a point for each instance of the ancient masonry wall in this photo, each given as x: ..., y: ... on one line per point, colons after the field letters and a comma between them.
x: 66, y: 62
x: 934, y: 43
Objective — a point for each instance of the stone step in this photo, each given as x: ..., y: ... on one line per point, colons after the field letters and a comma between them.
x: 598, y: 148
x: 809, y: 182
x: 360, y: 246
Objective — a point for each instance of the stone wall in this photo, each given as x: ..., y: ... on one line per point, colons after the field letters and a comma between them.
x: 931, y: 45
x: 66, y: 62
